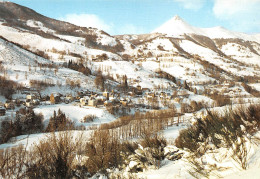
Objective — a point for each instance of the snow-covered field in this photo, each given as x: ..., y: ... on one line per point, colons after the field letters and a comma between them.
x: 76, y: 113
x: 33, y: 139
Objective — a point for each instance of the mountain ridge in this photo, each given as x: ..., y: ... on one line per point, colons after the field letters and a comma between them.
x: 63, y: 42
x: 177, y: 27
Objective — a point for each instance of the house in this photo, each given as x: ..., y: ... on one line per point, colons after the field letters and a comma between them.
x: 52, y: 99
x: 100, y: 99
x: 92, y: 102
x: 112, y: 95
x: 83, y: 102
x: 108, y: 102
x: 226, y: 83
x: 139, y: 88
x: 106, y: 94
x: 131, y: 93
x: 30, y: 97
x: 162, y: 95
x: 28, y: 103
x: 69, y: 98
x: 178, y: 99
x: 146, y: 89
x: 151, y: 95
x: 9, y: 105
x: 124, y: 102
x: 2, y: 111
x: 35, y: 101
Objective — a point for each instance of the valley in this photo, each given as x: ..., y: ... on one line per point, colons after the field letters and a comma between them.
x: 57, y: 77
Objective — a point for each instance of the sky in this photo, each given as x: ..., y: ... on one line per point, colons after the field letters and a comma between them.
x: 143, y: 16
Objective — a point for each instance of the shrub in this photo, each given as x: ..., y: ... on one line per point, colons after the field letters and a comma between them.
x: 89, y: 118
x: 79, y: 67
x: 227, y: 126
x: 27, y: 123
x: 100, y: 81
x: 103, y: 152
x: 156, y: 143
x: 12, y: 162
x: 53, y: 157
x: 226, y: 130
x: 60, y: 122
x: 7, y: 87
x: 187, y: 139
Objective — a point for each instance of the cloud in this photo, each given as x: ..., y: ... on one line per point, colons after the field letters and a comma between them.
x: 88, y: 20
x: 92, y: 20
x: 228, y: 8
x: 243, y: 15
x: 191, y: 4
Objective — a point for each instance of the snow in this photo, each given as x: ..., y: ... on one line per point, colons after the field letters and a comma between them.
x: 165, y: 43
x: 106, y: 40
x: 212, y: 57
x: 75, y: 44
x: 37, y: 24
x: 218, y: 157
x: 133, y: 71
x: 2, y: 99
x: 76, y: 113
x: 17, y: 61
x: 241, y: 53
x: 72, y: 39
x: 28, y: 140
x: 256, y: 86
x: 252, y: 173
x: 33, y: 139
x: 169, y: 170
x: 173, y: 132
x: 177, y: 27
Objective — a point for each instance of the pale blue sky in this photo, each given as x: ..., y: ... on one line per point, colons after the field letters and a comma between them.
x: 143, y: 16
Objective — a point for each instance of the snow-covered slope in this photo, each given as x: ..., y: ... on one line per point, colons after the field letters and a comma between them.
x: 177, y: 27
x: 36, y: 32
x: 22, y: 66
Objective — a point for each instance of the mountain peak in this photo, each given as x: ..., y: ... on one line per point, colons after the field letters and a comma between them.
x: 177, y: 18
x: 176, y: 26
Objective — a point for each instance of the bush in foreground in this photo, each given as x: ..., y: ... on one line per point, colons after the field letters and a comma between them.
x: 232, y: 131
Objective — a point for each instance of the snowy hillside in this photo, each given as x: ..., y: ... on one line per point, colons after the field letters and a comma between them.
x: 23, y: 66
x: 131, y: 95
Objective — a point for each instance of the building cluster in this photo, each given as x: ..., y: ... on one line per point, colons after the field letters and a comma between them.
x: 81, y: 98
x: 105, y: 99
x: 86, y: 98
x: 160, y: 95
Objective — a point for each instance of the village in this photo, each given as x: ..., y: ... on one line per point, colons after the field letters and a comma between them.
x: 32, y: 99
x: 135, y: 99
